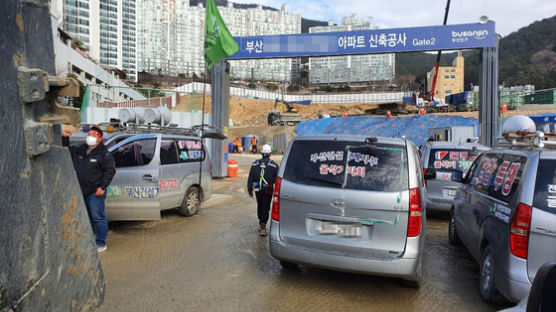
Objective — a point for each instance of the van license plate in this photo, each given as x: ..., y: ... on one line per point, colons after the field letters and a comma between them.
x: 340, y: 229
x: 452, y: 192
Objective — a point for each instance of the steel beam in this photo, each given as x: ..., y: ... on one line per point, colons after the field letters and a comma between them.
x: 488, y: 94
x: 220, y: 114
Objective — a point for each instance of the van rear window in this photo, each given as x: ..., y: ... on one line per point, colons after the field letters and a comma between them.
x: 452, y: 159
x: 353, y: 165
x: 545, y: 186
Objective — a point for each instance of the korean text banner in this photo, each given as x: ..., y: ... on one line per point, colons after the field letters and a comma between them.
x: 449, y: 37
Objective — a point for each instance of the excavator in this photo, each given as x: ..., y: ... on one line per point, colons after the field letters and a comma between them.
x: 284, y: 114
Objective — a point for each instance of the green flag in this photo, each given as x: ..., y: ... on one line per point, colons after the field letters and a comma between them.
x: 85, y: 99
x: 219, y: 43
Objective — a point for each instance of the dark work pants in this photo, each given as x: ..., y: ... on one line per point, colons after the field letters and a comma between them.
x: 263, y: 206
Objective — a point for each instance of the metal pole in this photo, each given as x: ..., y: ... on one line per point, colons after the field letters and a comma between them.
x: 489, y: 106
x: 203, y: 128
x: 220, y: 110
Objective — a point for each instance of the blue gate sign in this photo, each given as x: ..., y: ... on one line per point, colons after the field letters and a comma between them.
x: 431, y: 38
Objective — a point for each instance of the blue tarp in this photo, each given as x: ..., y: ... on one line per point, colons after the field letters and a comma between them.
x: 304, y: 102
x: 415, y: 128
x: 458, y: 98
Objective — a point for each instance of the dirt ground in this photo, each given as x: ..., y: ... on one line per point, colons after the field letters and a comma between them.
x: 215, y: 261
x: 248, y: 112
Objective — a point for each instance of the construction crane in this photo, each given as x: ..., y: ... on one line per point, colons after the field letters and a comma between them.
x: 430, y: 97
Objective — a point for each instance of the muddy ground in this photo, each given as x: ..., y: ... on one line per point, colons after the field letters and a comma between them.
x: 216, y: 262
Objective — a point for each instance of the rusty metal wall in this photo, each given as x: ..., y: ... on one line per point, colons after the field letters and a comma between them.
x: 48, y: 258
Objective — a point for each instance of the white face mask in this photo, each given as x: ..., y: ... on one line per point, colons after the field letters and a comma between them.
x: 91, y: 140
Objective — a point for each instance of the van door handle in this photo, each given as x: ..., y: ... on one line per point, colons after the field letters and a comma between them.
x: 148, y: 177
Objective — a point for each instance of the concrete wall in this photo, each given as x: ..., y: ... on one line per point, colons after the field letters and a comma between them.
x: 69, y: 61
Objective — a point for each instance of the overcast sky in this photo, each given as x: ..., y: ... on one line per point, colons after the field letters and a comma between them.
x: 509, y: 15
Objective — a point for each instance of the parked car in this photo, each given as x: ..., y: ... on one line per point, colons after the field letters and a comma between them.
x: 350, y: 203
x: 541, y: 297
x: 157, y: 168
x: 443, y: 158
x: 109, y: 138
x: 505, y: 215
x: 155, y: 172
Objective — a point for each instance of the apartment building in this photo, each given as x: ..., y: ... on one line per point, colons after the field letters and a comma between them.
x: 259, y: 21
x: 171, y: 37
x: 350, y: 69
x: 106, y: 30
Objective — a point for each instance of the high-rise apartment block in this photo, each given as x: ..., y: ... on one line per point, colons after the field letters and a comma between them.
x: 351, y: 68
x: 169, y: 32
x: 106, y: 29
x: 171, y: 37
x: 255, y: 22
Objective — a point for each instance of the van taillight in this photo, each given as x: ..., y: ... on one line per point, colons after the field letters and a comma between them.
x: 415, y: 213
x: 425, y: 174
x: 519, y: 231
x: 276, y: 200
x: 210, y: 169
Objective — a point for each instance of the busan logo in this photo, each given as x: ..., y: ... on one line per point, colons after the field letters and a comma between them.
x: 478, y: 34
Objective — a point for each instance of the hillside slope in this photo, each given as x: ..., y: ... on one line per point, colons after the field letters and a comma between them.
x: 527, y: 56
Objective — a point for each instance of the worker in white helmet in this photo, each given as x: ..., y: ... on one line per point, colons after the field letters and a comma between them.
x: 262, y: 177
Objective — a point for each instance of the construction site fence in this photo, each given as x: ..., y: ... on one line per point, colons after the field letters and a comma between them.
x: 378, y: 97
x: 191, y: 95
x: 517, y: 98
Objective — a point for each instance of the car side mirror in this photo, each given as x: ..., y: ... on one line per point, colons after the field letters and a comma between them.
x: 541, y: 296
x: 457, y: 176
x: 430, y: 174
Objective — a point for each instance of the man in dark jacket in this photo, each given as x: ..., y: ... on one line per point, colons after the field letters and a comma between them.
x: 95, y: 169
x: 262, y: 177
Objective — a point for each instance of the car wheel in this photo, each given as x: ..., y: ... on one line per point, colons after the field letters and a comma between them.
x: 452, y: 234
x: 288, y: 265
x: 191, y: 202
x: 487, y: 285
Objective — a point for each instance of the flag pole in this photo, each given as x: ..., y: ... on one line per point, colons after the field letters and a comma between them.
x: 203, y: 127
x: 219, y: 44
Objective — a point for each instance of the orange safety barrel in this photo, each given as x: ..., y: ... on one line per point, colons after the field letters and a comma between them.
x: 232, y: 168
x: 503, y: 107
x: 388, y: 114
x: 421, y: 111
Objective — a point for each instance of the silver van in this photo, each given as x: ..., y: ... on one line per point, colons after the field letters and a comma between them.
x: 505, y: 215
x: 441, y: 159
x: 350, y: 203
x: 155, y: 172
